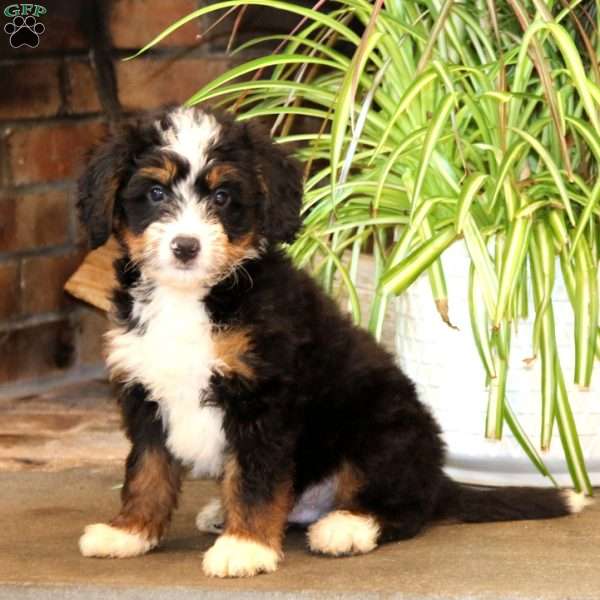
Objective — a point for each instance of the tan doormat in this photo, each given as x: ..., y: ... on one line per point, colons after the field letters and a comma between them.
x: 94, y: 280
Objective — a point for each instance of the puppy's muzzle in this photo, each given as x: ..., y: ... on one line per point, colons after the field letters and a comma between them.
x: 185, y: 248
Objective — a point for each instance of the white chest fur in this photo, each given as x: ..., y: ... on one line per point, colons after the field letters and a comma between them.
x: 172, y: 354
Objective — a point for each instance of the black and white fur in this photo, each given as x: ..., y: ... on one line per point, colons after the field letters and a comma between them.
x: 233, y: 364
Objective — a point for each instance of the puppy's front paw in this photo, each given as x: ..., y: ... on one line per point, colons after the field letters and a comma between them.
x: 105, y: 541
x: 233, y: 556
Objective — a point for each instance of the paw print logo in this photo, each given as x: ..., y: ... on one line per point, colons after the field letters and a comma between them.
x: 24, y: 31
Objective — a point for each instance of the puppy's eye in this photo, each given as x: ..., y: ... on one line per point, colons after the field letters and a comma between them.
x: 157, y: 193
x: 221, y: 197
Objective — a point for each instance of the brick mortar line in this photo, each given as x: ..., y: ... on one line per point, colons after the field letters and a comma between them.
x: 29, y: 122
x: 20, y: 323
x: 54, y: 250
x: 73, y: 219
x: 11, y: 62
x: 38, y: 385
x: 8, y: 191
x: 46, y: 55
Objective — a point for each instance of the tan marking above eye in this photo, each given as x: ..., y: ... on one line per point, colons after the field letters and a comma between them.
x: 220, y: 173
x: 163, y: 174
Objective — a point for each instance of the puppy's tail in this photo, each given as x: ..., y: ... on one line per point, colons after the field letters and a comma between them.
x: 472, y: 505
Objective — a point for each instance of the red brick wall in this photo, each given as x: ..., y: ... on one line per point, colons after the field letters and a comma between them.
x: 53, y: 107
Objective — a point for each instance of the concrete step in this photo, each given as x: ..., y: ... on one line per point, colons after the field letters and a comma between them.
x: 43, y: 513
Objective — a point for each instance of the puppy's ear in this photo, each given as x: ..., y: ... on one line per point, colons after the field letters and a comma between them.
x: 280, y: 177
x: 98, y: 186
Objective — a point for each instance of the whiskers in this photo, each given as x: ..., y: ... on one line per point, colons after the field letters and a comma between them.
x: 220, y: 258
x: 245, y: 272
x: 235, y: 270
x: 235, y: 274
x: 132, y: 264
x: 141, y: 250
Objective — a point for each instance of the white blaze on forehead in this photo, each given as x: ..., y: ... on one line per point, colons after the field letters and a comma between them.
x: 190, y: 134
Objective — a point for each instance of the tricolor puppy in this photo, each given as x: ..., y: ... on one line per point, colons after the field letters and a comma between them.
x: 233, y: 364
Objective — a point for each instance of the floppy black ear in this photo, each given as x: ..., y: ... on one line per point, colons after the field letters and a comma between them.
x: 98, y: 186
x: 280, y: 176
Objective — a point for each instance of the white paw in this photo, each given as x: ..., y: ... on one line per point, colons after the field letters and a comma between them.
x: 341, y: 532
x: 576, y: 502
x: 211, y: 518
x: 233, y: 556
x: 103, y: 540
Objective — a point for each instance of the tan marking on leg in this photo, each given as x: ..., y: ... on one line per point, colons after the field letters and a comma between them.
x: 349, y: 482
x: 264, y: 522
x: 150, y: 495
x: 232, y: 346
x: 252, y: 540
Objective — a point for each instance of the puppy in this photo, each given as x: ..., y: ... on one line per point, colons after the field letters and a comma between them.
x: 233, y: 364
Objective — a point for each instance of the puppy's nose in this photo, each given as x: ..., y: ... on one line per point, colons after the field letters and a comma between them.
x: 185, y: 248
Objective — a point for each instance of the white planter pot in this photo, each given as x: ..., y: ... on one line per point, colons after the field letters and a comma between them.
x: 450, y: 378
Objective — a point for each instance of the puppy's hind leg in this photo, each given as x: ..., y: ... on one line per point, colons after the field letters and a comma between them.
x: 363, y: 527
x: 342, y: 533
x: 349, y: 529
x: 378, y: 507
x: 152, y: 484
x: 211, y: 519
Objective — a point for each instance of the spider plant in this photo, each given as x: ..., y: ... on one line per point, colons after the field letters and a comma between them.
x: 449, y: 121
